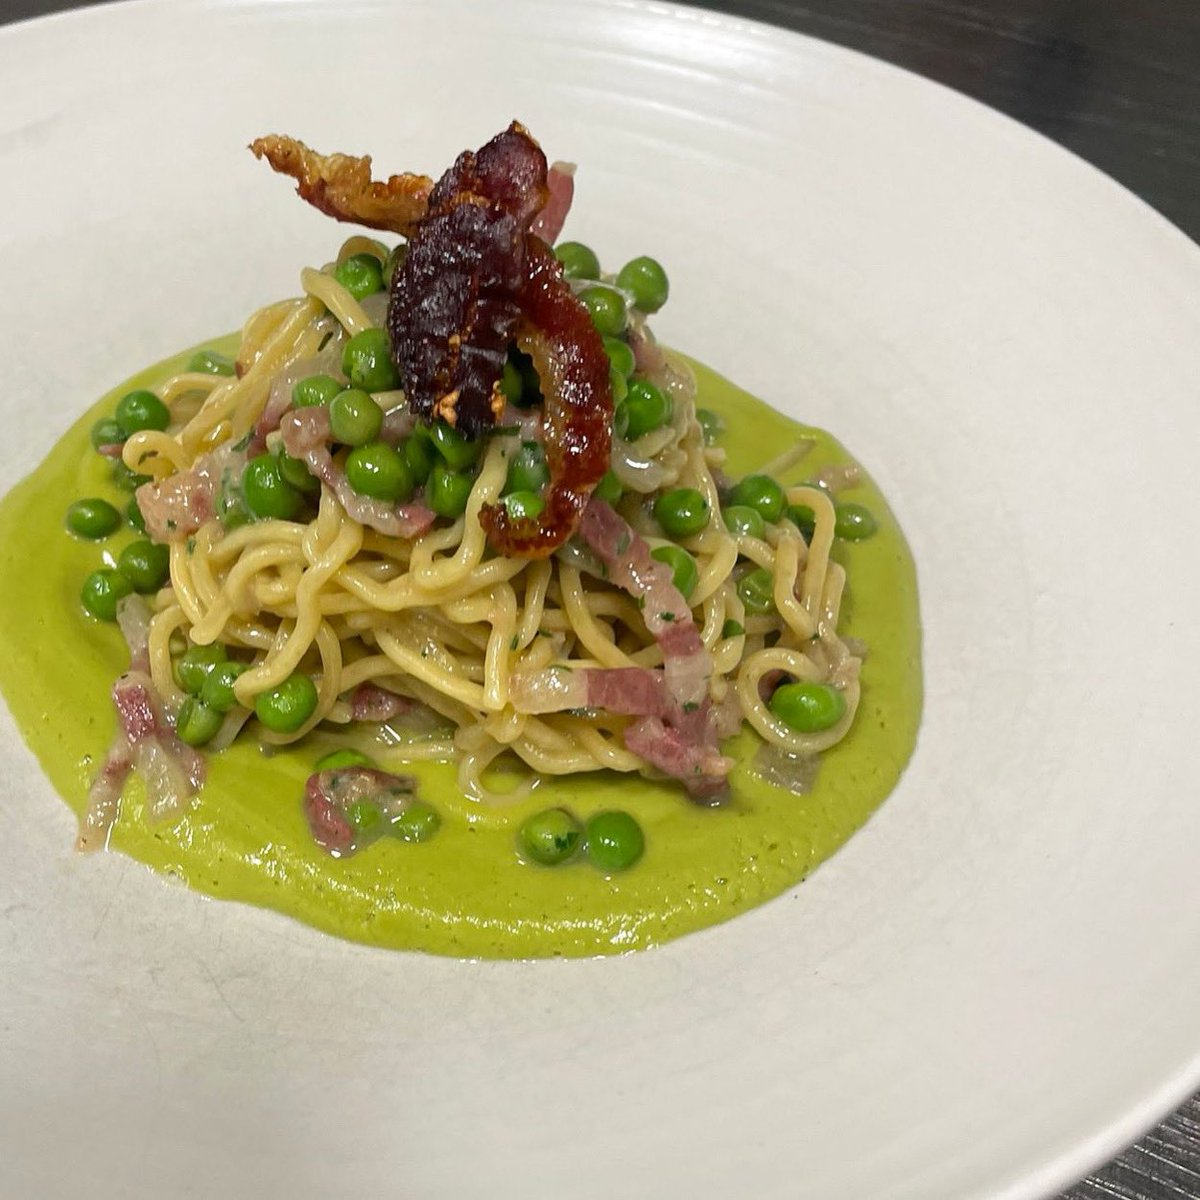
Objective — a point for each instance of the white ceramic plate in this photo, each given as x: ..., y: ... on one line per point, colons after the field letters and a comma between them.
x: 996, y: 983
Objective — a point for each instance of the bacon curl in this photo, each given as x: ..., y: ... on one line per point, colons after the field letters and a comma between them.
x: 474, y: 280
x: 455, y: 303
x: 340, y: 185
x: 568, y: 355
x: 476, y: 277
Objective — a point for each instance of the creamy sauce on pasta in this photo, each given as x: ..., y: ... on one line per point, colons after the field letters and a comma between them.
x: 465, y: 892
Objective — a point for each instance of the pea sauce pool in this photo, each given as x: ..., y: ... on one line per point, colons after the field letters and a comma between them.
x: 465, y: 891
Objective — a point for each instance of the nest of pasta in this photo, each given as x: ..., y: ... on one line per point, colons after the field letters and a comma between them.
x: 457, y: 487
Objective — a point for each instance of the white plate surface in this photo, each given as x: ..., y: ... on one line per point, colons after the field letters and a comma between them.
x: 996, y: 984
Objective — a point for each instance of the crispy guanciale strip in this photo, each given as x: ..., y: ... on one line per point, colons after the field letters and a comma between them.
x: 455, y: 303
x: 568, y: 355
x: 341, y: 186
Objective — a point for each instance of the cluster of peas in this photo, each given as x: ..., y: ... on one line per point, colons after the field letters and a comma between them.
x: 142, y: 566
x: 612, y: 841
x: 439, y: 458
x: 275, y: 486
x: 416, y: 822
x: 207, y: 674
x: 639, y: 406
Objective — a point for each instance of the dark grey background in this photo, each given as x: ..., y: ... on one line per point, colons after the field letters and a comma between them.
x: 1116, y: 81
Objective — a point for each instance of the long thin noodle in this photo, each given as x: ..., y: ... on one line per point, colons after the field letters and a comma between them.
x: 441, y: 620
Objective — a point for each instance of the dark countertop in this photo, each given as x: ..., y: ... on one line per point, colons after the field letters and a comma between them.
x: 1117, y: 82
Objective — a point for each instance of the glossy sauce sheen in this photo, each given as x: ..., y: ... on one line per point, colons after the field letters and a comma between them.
x: 465, y: 892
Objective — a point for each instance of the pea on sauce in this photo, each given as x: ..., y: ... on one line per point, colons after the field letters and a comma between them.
x: 469, y: 890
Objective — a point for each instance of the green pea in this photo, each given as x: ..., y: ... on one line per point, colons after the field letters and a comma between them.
x: 343, y: 758
x: 364, y: 816
x: 523, y: 506
x: 525, y: 390
x: 196, y: 722
x: 315, y: 390
x: 448, y: 491
x: 743, y: 521
x: 419, y: 456
x: 618, y: 385
x: 106, y: 432
x: 853, y: 522
x: 620, y: 356
x: 682, y: 512
x: 126, y: 479
x: 804, y: 519
x: 807, y: 707
x: 609, y: 488
x: 685, y: 574
x: 732, y: 628
x: 417, y: 823
x: 195, y: 665
x: 395, y: 260
x: 354, y: 418
x: 761, y: 493
x: 287, y: 706
x: 550, y: 837
x: 102, y: 590
x: 456, y: 448
x: 217, y: 689
x: 133, y: 515
x: 367, y: 362
x: 527, y: 470
x: 614, y: 841
x: 711, y: 425
x: 644, y: 408
x: 360, y: 274
x: 757, y: 590
x: 211, y: 362
x: 607, y: 308
x: 295, y: 472
x: 92, y: 518
x: 146, y: 565
x: 141, y: 410
x: 646, y: 281
x: 578, y: 261
x: 510, y: 384
x: 378, y: 471
x: 267, y: 494
x: 231, y: 509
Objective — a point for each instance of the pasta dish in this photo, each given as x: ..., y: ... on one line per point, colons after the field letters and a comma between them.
x: 457, y: 487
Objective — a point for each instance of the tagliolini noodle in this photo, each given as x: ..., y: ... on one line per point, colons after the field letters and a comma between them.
x: 441, y: 620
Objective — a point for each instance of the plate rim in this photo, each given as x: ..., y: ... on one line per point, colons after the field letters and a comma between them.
x: 1055, y: 1171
